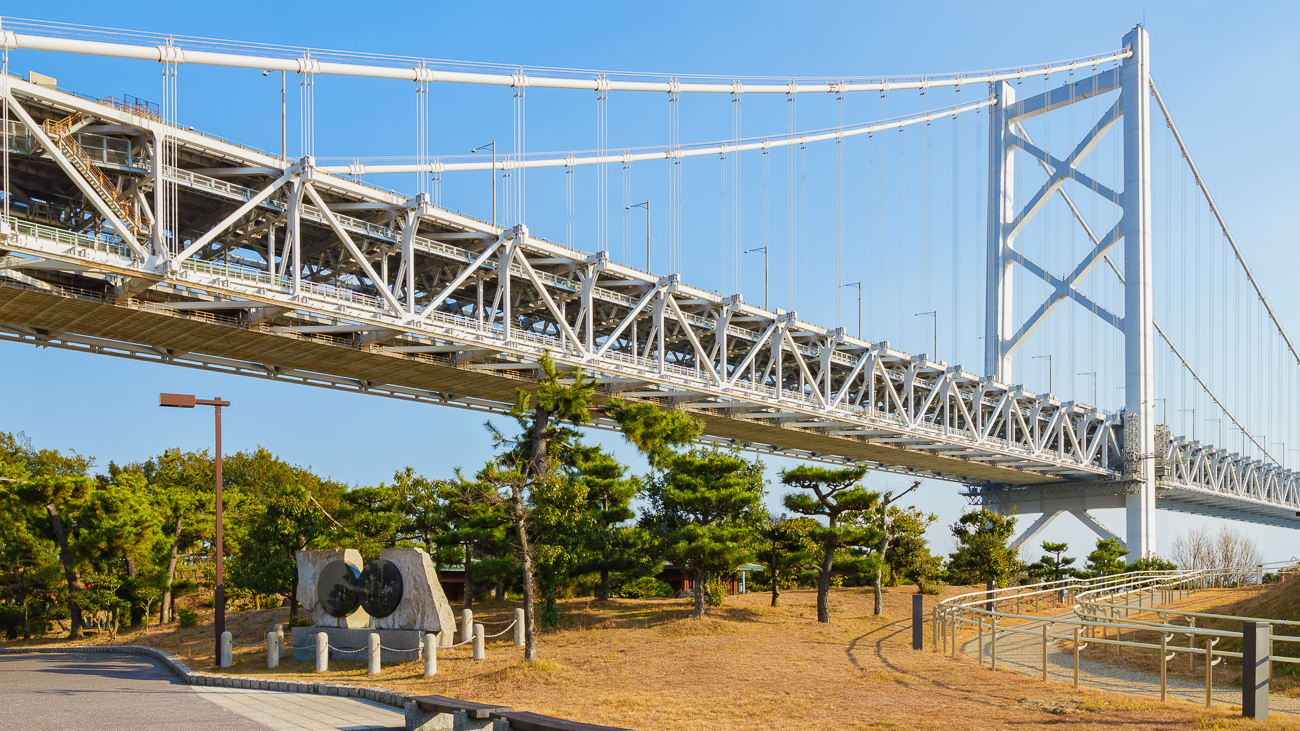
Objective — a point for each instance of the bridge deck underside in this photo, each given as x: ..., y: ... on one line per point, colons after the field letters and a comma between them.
x: 80, y: 322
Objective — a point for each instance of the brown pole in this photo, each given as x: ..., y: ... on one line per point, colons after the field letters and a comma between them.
x: 221, y: 587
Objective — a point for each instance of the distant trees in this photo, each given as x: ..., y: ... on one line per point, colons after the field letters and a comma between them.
x: 983, y: 548
x: 836, y: 496
x: 1202, y: 548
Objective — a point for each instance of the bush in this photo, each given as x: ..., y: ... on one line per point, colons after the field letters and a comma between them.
x: 1271, y: 578
x: 187, y: 617
x: 645, y: 588
x: 715, y: 595
x: 930, y: 586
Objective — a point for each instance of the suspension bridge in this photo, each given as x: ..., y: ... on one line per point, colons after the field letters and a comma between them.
x: 126, y: 232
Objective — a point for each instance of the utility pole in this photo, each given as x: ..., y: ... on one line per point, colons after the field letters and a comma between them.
x: 1049, y: 369
x: 934, y: 314
x: 1094, y: 385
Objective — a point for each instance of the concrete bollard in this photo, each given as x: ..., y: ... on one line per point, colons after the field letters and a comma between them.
x: 479, y: 650
x: 322, y: 652
x: 372, y: 653
x: 272, y: 650
x: 226, y: 646
x: 466, y: 624
x: 918, y: 620
x: 279, y: 639
x: 1255, y: 669
x: 519, y: 628
x: 430, y: 654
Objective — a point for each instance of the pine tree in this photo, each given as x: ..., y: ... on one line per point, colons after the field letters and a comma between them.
x: 983, y: 552
x: 1052, y: 568
x: 718, y: 495
x: 786, y: 550
x: 1108, y: 558
x: 837, y: 495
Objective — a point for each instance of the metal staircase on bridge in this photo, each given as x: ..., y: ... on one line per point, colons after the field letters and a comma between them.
x: 63, y: 133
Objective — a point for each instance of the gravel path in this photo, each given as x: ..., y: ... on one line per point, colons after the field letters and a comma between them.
x: 1023, y: 653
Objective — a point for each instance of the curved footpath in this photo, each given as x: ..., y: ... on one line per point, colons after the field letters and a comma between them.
x: 1023, y: 653
x: 124, y: 692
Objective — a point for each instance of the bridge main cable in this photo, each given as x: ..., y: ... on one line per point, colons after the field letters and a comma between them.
x: 172, y: 49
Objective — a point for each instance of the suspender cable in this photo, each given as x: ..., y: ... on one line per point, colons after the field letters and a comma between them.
x: 957, y: 309
x: 724, y: 253
x: 674, y: 181
x: 602, y: 170
x: 4, y: 136
x: 521, y: 144
x: 882, y: 271
x: 1259, y: 292
x: 568, y: 205
x: 627, y: 211
x: 839, y: 212
x: 791, y: 170
x: 923, y: 222
x: 737, y: 243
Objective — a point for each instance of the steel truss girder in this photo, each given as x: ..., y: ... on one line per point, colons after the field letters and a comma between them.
x: 501, y: 298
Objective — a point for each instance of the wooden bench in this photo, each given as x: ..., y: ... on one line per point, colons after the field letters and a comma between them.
x: 422, y: 712
x: 525, y: 721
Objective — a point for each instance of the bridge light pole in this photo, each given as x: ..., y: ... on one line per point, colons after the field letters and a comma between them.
x: 764, y: 250
x: 1164, y: 410
x: 1220, y: 442
x: 934, y: 314
x: 1283, y: 445
x: 1049, y: 369
x: 493, y: 145
x: 183, y: 401
x: 1094, y: 384
x: 646, y: 205
x: 1193, y: 410
x: 284, y: 113
x: 857, y: 284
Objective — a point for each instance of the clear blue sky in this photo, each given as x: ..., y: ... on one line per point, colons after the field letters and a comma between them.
x: 1217, y: 68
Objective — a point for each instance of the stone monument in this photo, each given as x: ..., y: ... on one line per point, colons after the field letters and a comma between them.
x: 397, y: 596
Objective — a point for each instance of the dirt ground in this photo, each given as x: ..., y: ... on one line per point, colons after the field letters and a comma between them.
x: 644, y: 664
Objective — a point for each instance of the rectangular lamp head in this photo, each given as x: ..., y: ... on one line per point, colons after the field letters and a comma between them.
x: 178, y: 400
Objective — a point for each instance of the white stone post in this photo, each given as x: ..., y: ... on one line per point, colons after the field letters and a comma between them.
x: 272, y: 650
x: 226, y: 646
x: 466, y: 624
x: 479, y: 651
x: 430, y: 654
x: 322, y: 652
x: 372, y: 653
x: 279, y: 639
x: 519, y: 628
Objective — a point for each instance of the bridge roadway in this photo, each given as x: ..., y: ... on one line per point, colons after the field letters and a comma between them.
x: 283, y: 272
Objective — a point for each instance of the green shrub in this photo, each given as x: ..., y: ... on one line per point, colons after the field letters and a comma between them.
x: 645, y: 588
x: 930, y: 586
x: 187, y: 617
x: 715, y: 595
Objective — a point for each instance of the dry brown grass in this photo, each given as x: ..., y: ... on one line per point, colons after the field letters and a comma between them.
x: 644, y: 664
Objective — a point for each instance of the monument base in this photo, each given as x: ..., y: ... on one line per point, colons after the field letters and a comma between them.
x: 345, y: 643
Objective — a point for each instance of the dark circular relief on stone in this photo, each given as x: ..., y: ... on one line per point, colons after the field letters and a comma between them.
x: 336, y: 589
x: 380, y: 587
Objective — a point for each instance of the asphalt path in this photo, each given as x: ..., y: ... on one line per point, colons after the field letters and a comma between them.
x: 110, y: 692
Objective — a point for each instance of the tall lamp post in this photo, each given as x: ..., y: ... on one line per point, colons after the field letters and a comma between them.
x: 858, y: 285
x: 1049, y: 369
x: 1193, y: 411
x: 764, y: 250
x: 646, y: 205
x: 935, y: 315
x: 1218, y: 444
x: 284, y: 112
x: 184, y: 401
x: 1094, y: 384
x: 493, y: 145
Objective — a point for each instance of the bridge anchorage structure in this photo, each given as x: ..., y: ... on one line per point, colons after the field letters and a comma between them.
x: 127, y: 234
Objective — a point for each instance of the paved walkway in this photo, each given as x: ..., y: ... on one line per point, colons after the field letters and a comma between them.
x: 1023, y: 653
x: 41, y: 692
